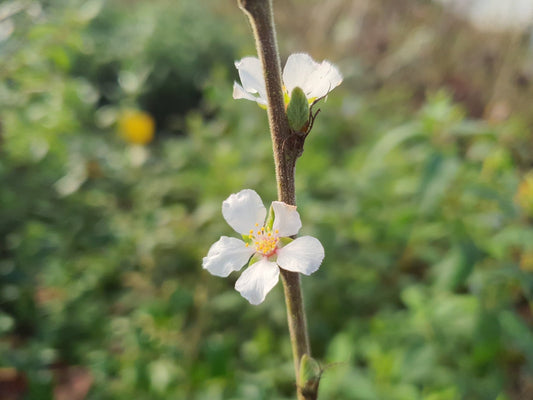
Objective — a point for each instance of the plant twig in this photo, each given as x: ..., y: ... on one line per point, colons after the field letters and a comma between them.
x: 261, y: 18
x: 260, y: 15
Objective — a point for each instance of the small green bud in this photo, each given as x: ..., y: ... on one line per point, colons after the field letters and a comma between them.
x: 298, y: 110
x: 309, y: 379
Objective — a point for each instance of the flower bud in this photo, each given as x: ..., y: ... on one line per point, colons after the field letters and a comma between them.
x: 298, y: 110
x: 310, y: 374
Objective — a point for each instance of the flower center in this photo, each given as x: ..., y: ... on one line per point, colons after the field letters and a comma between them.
x: 265, y: 241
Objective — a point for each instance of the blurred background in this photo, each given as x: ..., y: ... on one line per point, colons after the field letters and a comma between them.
x: 120, y: 139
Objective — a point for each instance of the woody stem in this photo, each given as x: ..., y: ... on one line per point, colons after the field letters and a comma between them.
x: 261, y: 18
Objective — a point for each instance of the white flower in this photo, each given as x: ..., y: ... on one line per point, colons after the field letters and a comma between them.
x: 316, y: 80
x: 245, y: 212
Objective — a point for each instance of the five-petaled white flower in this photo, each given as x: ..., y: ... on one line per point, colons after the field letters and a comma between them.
x: 316, y: 80
x: 263, y: 243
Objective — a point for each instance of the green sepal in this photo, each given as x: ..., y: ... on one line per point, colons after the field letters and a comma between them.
x: 255, y: 258
x: 298, y: 110
x: 270, y: 219
x: 285, y: 240
x: 309, y: 376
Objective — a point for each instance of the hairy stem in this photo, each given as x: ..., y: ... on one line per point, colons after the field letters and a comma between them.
x: 260, y: 15
x: 261, y: 18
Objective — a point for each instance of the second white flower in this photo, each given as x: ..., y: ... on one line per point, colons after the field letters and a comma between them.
x: 315, y: 79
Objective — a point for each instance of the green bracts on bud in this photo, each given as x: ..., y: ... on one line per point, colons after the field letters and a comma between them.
x: 298, y: 110
x: 309, y: 379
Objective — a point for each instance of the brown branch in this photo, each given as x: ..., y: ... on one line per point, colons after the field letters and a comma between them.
x: 261, y: 18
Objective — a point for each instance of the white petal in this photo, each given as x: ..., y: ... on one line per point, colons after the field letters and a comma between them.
x: 251, y: 74
x: 286, y: 219
x: 257, y: 280
x: 240, y: 93
x: 304, y: 255
x: 226, y: 255
x: 322, y: 81
x: 243, y: 210
x: 316, y: 80
x: 297, y: 71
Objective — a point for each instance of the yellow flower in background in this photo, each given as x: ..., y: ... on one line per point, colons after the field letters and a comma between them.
x: 526, y: 261
x: 524, y: 194
x: 136, y: 127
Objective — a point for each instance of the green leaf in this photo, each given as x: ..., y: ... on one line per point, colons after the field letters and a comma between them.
x: 439, y: 174
x: 517, y: 334
x: 458, y: 264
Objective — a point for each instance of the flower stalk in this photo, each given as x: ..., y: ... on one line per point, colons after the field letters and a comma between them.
x: 286, y: 152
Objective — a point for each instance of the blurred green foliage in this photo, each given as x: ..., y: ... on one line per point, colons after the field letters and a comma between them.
x: 426, y: 288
